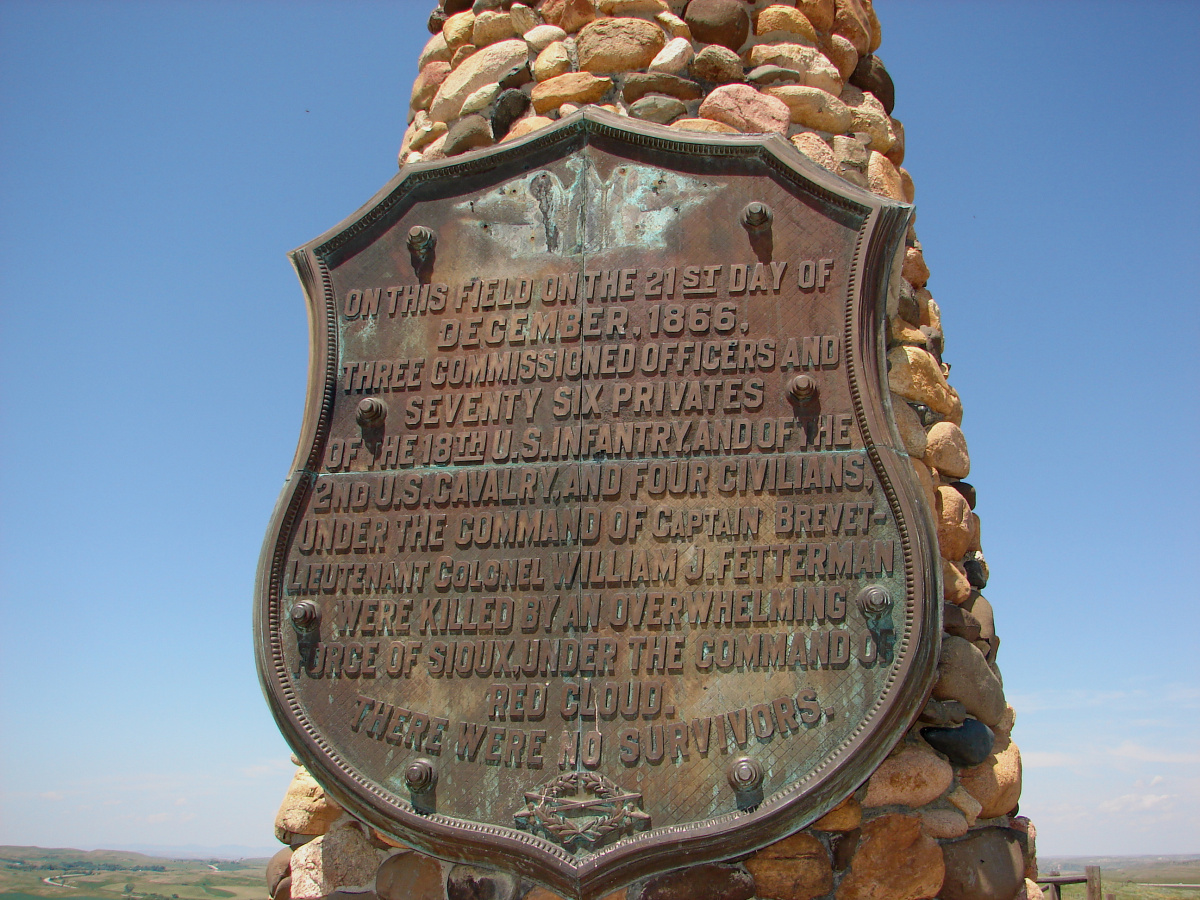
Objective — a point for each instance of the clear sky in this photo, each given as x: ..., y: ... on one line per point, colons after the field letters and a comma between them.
x: 158, y: 159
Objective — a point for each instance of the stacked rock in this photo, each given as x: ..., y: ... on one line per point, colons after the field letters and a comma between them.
x: 938, y: 818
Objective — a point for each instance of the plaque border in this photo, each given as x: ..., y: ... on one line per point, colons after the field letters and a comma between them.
x: 880, y: 238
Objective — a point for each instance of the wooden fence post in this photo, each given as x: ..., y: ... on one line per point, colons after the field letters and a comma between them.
x: 1093, y: 883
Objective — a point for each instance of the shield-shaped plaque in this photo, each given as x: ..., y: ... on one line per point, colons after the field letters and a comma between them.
x: 600, y: 554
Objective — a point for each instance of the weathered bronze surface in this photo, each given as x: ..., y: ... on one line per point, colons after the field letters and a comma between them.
x: 600, y: 554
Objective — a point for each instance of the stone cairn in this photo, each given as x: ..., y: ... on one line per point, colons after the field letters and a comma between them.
x: 938, y: 818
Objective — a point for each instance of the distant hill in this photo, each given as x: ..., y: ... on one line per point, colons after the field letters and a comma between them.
x: 39, y: 873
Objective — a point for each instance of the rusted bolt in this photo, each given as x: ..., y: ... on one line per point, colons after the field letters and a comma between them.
x: 421, y: 241
x: 305, y: 615
x: 803, y: 388
x: 745, y: 774
x: 756, y: 215
x: 873, y: 601
x: 371, y: 412
x: 420, y: 776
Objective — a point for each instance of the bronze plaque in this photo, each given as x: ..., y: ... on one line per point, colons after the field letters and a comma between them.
x: 600, y: 553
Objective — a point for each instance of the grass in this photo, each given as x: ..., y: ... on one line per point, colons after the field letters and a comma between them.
x: 110, y: 875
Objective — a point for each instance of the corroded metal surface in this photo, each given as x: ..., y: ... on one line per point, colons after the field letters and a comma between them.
x: 600, y: 552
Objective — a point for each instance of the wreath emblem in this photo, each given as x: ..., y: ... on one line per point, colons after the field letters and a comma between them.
x: 581, y: 809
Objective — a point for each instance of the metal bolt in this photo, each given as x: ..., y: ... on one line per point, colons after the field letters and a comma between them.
x: 873, y: 601
x: 803, y: 388
x: 305, y: 615
x: 420, y: 776
x: 756, y: 215
x: 421, y: 241
x: 371, y: 412
x: 745, y: 774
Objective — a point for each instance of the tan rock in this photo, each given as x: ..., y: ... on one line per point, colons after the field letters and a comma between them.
x: 673, y: 25
x: 895, y: 860
x: 524, y: 18
x: 409, y: 876
x: 901, y: 332
x: 492, y: 26
x: 574, y: 87
x: 956, y: 588
x: 796, y: 868
x: 745, y: 109
x: 707, y: 125
x: 784, y: 20
x: 819, y: 12
x: 1032, y: 891
x: 436, y: 50
x: 481, y: 99
x: 543, y: 36
x: 846, y: 816
x: 427, y: 84
x: 943, y: 824
x: 915, y: 270
x: 913, y: 373
x: 925, y: 480
x: 815, y: 149
x: 947, y: 450
x: 953, y: 516
x: 964, y: 675
x: 852, y: 22
x: 813, y: 107
x: 717, y: 64
x: 632, y: 7
x: 910, y: 189
x: 340, y: 858
x: 912, y: 777
x: 421, y: 133
x: 458, y: 29
x: 967, y: 805
x: 814, y: 67
x: 555, y: 60
x: 1007, y: 721
x: 873, y: 25
x: 870, y: 117
x: 434, y: 150
x: 484, y: 67
x: 895, y: 153
x: 462, y: 54
x: 569, y: 15
x: 674, y: 57
x: 842, y: 54
x: 305, y: 809
x: 609, y: 46
x: 996, y: 782
x: 524, y: 126
x: 912, y: 432
x: 883, y: 177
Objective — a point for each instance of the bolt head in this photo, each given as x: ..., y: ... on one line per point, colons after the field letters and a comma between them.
x: 802, y: 388
x: 371, y: 411
x: 420, y: 776
x: 745, y: 774
x: 756, y: 214
x: 305, y: 615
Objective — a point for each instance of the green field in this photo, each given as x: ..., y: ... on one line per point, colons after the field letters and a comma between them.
x: 34, y: 873
x: 1130, y: 877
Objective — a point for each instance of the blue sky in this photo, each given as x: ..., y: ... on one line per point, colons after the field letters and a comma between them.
x: 157, y: 160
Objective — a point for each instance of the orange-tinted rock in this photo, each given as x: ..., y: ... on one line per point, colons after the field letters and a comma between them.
x: 569, y: 15
x: 846, y: 816
x: 894, y: 860
x: 609, y: 46
x: 574, y: 87
x: 796, y: 868
x: 953, y: 523
x: 912, y: 777
x: 996, y: 782
x: 305, y: 809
